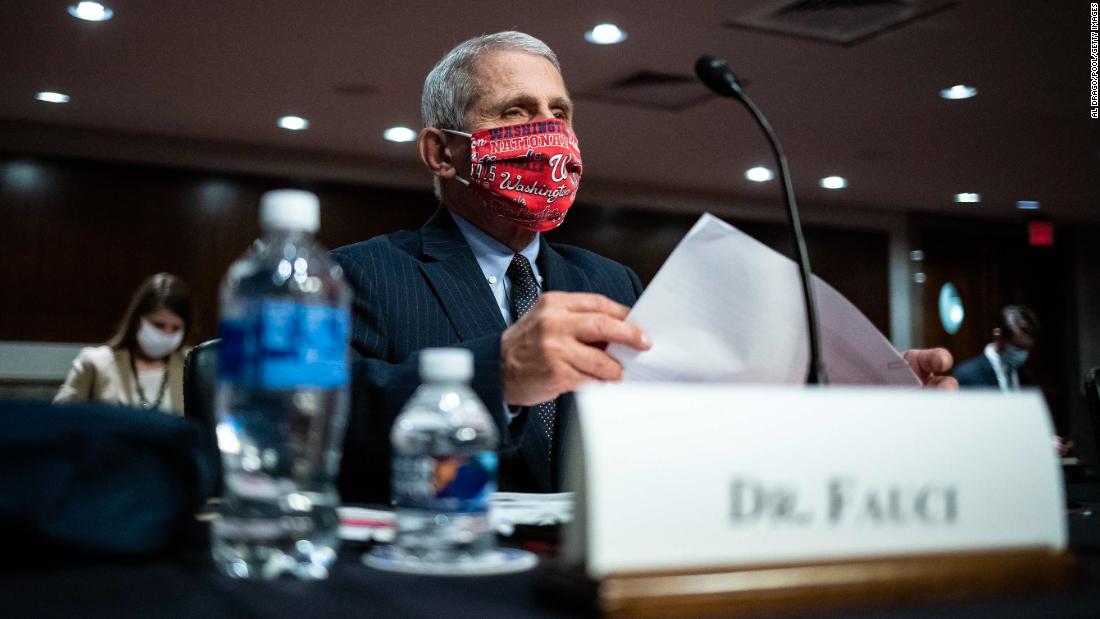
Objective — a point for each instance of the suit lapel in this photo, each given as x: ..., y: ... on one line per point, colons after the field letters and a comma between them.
x: 457, y: 279
x: 125, y: 376
x: 990, y: 374
x: 557, y: 274
x: 175, y: 384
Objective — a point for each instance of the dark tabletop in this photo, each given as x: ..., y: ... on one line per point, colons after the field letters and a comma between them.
x: 189, y: 587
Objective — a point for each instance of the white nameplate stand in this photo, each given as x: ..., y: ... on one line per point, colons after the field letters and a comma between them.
x: 701, y: 498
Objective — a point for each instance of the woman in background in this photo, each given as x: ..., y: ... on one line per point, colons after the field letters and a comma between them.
x: 142, y: 364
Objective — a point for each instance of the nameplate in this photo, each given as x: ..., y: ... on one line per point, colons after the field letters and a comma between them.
x: 683, y: 477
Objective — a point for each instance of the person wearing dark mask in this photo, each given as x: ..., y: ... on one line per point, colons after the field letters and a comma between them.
x: 142, y: 364
x: 1000, y: 366
x: 481, y: 274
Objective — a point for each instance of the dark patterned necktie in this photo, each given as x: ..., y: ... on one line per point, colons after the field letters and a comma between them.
x: 525, y: 290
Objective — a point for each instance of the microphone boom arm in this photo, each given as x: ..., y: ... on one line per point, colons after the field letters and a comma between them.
x: 815, y: 375
x: 715, y: 75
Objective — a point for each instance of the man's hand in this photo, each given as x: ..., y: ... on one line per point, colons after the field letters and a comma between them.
x: 559, y: 344
x: 1062, y: 446
x: 927, y: 363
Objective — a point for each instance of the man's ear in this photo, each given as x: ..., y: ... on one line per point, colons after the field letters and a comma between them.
x: 435, y: 153
x: 997, y: 334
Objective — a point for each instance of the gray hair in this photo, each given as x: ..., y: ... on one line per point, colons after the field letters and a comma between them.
x: 451, y: 86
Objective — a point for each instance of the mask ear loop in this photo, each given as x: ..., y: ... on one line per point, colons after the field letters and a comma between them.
x: 460, y: 134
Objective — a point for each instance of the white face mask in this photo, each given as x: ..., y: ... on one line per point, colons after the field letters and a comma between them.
x: 157, y: 344
x: 1014, y: 356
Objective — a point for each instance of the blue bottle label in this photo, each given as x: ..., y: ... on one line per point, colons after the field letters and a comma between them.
x: 282, y: 344
x: 452, y: 483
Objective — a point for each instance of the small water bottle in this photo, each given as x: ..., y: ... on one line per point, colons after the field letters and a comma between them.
x: 444, y: 465
x: 282, y: 398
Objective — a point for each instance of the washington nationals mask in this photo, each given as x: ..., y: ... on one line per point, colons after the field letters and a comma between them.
x: 527, y: 174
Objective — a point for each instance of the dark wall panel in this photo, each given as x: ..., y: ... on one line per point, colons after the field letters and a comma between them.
x: 79, y: 237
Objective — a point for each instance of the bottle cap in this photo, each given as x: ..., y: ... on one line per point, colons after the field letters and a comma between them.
x: 446, y: 365
x: 290, y: 209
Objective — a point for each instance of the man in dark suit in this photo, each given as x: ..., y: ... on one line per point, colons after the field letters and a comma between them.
x: 479, y: 274
x: 1001, y: 364
x: 438, y: 287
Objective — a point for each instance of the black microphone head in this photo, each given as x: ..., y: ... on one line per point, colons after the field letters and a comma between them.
x: 716, y: 75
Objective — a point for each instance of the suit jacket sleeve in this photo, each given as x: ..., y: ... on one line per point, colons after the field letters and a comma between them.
x: 976, y: 372
x: 80, y: 381
x: 635, y: 283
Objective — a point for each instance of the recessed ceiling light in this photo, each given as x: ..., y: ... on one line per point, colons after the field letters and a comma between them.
x: 1027, y: 205
x: 833, y: 182
x: 968, y: 197
x: 52, y: 97
x: 958, y: 91
x: 90, y: 11
x: 399, y: 134
x: 605, y: 34
x: 294, y: 123
x: 759, y: 174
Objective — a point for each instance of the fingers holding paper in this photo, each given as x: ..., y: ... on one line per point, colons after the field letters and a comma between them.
x: 1062, y: 446
x: 929, y: 364
x: 559, y: 345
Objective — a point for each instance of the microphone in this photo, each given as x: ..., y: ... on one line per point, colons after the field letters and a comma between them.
x: 716, y: 75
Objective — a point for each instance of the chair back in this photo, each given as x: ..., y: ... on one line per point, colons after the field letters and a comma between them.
x: 1092, y: 397
x: 200, y: 378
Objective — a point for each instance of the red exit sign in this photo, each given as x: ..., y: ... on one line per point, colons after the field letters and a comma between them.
x: 1040, y: 233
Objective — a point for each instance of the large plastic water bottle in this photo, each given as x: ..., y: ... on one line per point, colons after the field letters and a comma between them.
x: 282, y: 398
x: 444, y: 465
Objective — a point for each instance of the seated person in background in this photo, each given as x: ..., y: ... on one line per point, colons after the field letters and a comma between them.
x: 142, y: 364
x: 480, y: 275
x: 1000, y: 364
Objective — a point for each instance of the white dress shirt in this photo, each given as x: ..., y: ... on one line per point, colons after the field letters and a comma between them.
x: 1008, y: 379
x: 494, y: 257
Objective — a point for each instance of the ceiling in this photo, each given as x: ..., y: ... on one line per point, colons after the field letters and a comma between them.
x: 202, y: 83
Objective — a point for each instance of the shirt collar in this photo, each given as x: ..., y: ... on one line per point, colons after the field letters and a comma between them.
x: 493, y: 256
x: 999, y: 368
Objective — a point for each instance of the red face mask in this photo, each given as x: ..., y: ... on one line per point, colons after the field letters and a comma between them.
x: 527, y: 174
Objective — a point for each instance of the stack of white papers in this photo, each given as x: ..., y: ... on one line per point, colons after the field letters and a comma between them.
x: 727, y: 308
x: 508, y: 509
